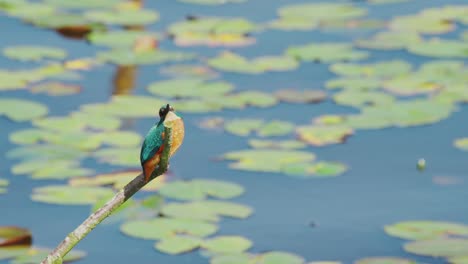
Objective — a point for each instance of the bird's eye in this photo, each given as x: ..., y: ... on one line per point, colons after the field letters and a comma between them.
x: 161, y: 112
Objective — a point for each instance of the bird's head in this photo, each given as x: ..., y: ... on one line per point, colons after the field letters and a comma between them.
x: 164, y: 110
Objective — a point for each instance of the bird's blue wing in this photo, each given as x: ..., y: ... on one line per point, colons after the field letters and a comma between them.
x: 152, y: 143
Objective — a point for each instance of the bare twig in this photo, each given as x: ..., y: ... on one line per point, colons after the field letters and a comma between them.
x: 57, y: 255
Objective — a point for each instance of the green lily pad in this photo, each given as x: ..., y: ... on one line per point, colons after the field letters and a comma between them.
x: 440, y: 48
x: 326, y: 52
x: 189, y: 88
x: 20, y: 110
x: 53, y: 169
x: 354, y: 83
x: 231, y: 62
x: 199, y: 189
x: 276, y: 144
x: 237, y: 258
x: 276, y: 257
x: 461, y: 143
x: 178, y: 244
x: 3, y: 185
x: 296, y: 96
x: 122, y: 17
x: 129, y: 57
x: 58, y: 20
x: 243, y: 127
x: 384, y: 260
x: 206, y: 210
x: 212, y: 2
x: 56, y: 88
x: 324, y: 135
x: 31, y: 255
x: 379, y: 70
x: 422, y: 230
x: 189, y: 71
x: 246, y: 98
x: 128, y: 157
x: 327, y: 120
x: 34, y: 53
x: 227, y: 244
x: 362, y: 98
x: 266, y: 160
x: 408, y: 85
x: 163, y: 228
x: 458, y: 260
x: 442, y: 247
x: 83, y: 4
x: 14, y: 236
x: 390, y: 40
x: 44, y: 152
x: 315, y: 169
x: 126, y: 106
x: 118, y: 38
x: 421, y: 23
x: 67, y: 195
x: 26, y: 10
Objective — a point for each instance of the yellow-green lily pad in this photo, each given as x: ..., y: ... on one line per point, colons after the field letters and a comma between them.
x: 56, y: 88
x: 362, y: 98
x: 199, y: 189
x: 390, y: 40
x: 67, y: 195
x: 178, y: 244
x: 3, y: 185
x: 324, y: 135
x: 274, y: 257
x: 423, y: 230
x: 354, y: 83
x: 194, y: 87
x: 34, y: 53
x: 461, y: 143
x: 227, y: 244
x: 14, y: 236
x: 326, y: 52
x: 440, y: 48
x: 384, y: 260
x: 20, y: 110
x: 276, y: 144
x: 118, y: 38
x: 211, y: 2
x: 162, y: 228
x: 243, y: 127
x: 384, y: 69
x: 296, y: 96
x: 441, y: 247
x: 122, y: 17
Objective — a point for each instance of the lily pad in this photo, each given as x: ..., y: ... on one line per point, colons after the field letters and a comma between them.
x: 126, y: 106
x: 274, y: 257
x: 422, y: 230
x: 163, y: 228
x: 27, y: 255
x: 199, y: 189
x: 227, y: 244
x: 276, y: 144
x: 178, y: 244
x: 20, y: 110
x: 14, y: 236
x: 212, y: 2
x: 118, y: 38
x: 243, y: 127
x: 56, y: 88
x: 34, y: 53
x: 379, y: 70
x: 326, y: 52
x: 442, y: 247
x: 296, y: 96
x: 208, y: 210
x: 315, y: 169
x: 362, y: 98
x: 422, y: 23
x: 122, y: 17
x: 195, y: 87
x: 231, y: 62
x: 52, y: 169
x: 3, y: 185
x: 354, y: 83
x: 324, y: 135
x: 128, y: 157
x: 440, y: 48
x: 117, y: 180
x: 410, y: 85
x: 237, y: 258
x: 67, y: 195
x: 461, y: 143
x: 189, y: 71
x: 83, y: 3
x: 266, y: 160
x: 123, y: 56
x: 384, y: 260
x: 390, y: 40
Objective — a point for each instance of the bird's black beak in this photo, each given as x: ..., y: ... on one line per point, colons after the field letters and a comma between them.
x: 169, y: 108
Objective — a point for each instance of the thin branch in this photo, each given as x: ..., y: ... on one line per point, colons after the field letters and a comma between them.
x: 57, y: 255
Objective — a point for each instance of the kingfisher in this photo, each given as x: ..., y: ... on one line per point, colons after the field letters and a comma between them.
x: 153, y: 144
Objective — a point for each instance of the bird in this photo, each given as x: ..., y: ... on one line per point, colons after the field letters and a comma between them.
x: 153, y: 146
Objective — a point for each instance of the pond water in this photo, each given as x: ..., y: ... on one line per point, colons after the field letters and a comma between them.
x: 331, y: 218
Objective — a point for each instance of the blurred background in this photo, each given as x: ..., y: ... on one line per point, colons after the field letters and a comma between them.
x: 315, y: 131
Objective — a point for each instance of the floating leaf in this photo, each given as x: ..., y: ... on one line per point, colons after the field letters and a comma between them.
x: 126, y: 106
x: 26, y: 255
x: 276, y: 144
x: 52, y: 169
x: 461, y: 143
x: 228, y: 61
x: 212, y: 2
x: 354, y: 83
x: 422, y: 230
x: 390, y: 40
x: 178, y: 244
x: 199, y: 189
x: 227, y: 244
x: 122, y: 17
x: 34, y: 53
x: 207, y: 210
x: 163, y: 228
x: 325, y: 52
x: 296, y: 96
x: 21, y: 110
x: 56, y: 88
x: 266, y: 160
x: 380, y: 69
x: 410, y: 85
x: 421, y: 23
x: 3, y: 184
x: 316, y: 169
x: 440, y: 48
x: 189, y: 71
x: 324, y: 135
x: 119, y: 156
x: 67, y: 195
x: 14, y: 236
x: 442, y: 247
x: 384, y: 260
x: 243, y: 127
x: 117, y: 180
x: 118, y: 38
x: 129, y: 57
x: 274, y: 257
x: 189, y: 88
x: 83, y: 3
x: 238, y: 258
x: 362, y: 98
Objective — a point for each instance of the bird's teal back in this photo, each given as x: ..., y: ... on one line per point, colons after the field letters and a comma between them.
x: 153, y: 141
